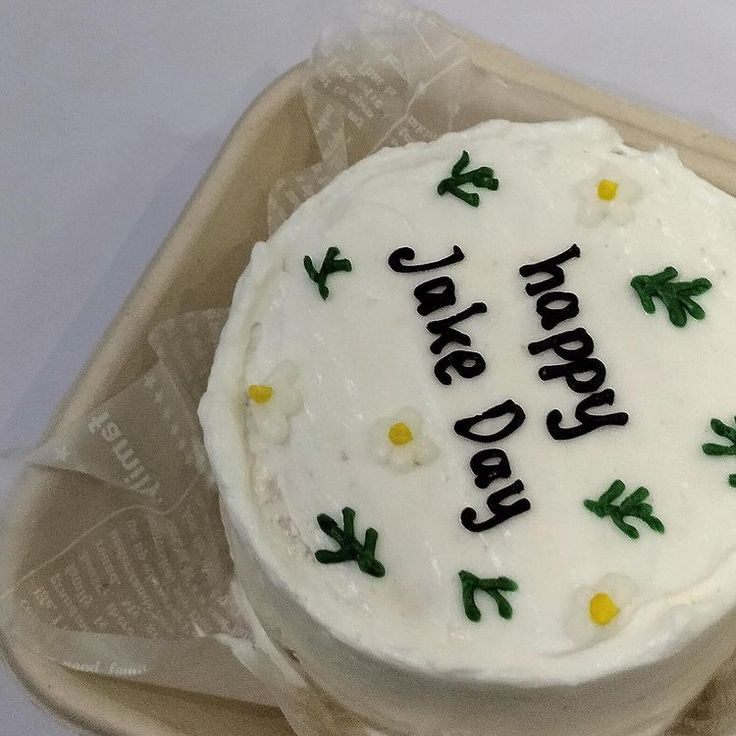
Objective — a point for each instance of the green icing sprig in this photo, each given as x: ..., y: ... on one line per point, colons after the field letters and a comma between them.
x: 482, y: 178
x: 330, y: 264
x: 634, y: 506
x: 728, y: 433
x: 677, y: 297
x: 350, y: 548
x: 495, y: 587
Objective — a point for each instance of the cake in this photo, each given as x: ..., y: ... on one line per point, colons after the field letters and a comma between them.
x: 471, y: 418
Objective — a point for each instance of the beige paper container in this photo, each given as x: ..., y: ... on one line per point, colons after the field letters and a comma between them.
x: 225, y: 216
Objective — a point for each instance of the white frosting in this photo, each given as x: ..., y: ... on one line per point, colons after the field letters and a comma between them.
x: 399, y: 650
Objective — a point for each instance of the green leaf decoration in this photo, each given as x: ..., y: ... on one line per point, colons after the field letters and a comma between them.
x: 633, y: 506
x: 678, y: 297
x: 714, y: 450
x: 481, y: 178
x: 350, y: 548
x: 330, y: 264
x: 495, y: 587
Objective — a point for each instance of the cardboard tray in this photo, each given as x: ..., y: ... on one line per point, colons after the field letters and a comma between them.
x: 196, y: 267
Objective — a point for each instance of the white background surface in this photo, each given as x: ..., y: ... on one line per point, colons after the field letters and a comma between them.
x: 111, y: 110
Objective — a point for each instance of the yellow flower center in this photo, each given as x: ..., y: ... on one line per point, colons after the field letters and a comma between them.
x: 602, y: 609
x: 607, y: 189
x: 260, y: 394
x: 400, y: 434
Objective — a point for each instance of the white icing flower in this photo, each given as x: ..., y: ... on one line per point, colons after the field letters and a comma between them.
x: 600, y: 610
x: 399, y: 441
x: 271, y: 404
x: 608, y: 195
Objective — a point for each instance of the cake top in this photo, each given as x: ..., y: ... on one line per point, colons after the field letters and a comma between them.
x: 473, y: 407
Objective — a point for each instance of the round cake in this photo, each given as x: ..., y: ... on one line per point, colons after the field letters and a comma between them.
x: 472, y: 420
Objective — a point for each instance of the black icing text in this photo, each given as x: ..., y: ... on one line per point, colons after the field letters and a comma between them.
x: 436, y: 294
x: 582, y: 372
x: 489, y: 464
